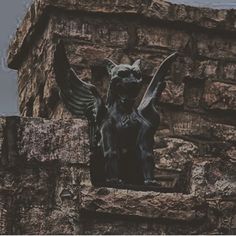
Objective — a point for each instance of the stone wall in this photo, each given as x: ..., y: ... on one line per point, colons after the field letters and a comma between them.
x: 195, y: 146
x: 45, y: 188
x: 40, y: 176
x: 201, y: 81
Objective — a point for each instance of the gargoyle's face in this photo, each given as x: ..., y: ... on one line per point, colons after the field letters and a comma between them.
x: 128, y: 81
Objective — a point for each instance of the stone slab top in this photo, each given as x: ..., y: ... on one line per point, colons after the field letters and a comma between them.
x: 171, y: 206
x: 157, y: 10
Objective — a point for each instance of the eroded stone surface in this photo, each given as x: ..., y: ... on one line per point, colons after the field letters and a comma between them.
x: 149, y: 205
x: 175, y: 153
x: 46, y: 140
x: 213, y: 178
x: 5, y: 211
x: 45, y: 163
x: 39, y: 187
x: 208, y: 18
x: 54, y: 195
x: 220, y: 96
x: 173, y: 94
x: 195, y: 125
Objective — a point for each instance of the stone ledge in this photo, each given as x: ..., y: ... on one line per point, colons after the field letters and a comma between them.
x: 156, y: 10
x: 171, y: 206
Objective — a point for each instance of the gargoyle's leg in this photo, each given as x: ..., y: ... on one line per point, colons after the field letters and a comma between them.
x: 109, y: 151
x: 145, y: 144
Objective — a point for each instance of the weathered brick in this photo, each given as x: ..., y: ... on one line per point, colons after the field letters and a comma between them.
x: 175, y: 154
x: 192, y: 94
x: 173, y: 94
x: 229, y: 72
x: 6, y: 198
x: 123, y: 202
x: 219, y: 95
x: 216, y: 178
x: 208, y: 69
x: 45, y: 140
x: 207, y: 18
x: 87, y: 55
x: 194, y: 125
x: 231, y: 153
x: 162, y: 37
x: 93, y: 31
x: 207, y: 45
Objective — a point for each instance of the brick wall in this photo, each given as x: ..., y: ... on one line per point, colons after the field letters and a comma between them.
x: 197, y: 135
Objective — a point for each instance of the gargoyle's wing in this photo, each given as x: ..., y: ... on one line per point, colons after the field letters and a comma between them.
x: 155, y: 88
x: 79, y: 97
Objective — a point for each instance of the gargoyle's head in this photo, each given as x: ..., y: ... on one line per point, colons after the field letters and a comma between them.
x: 126, y: 82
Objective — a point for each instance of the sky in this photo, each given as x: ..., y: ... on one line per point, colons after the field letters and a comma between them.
x: 11, y: 14
x: 219, y: 4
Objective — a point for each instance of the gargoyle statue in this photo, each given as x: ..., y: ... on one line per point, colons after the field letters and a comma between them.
x: 121, y: 136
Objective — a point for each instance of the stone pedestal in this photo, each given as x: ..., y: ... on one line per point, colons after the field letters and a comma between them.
x: 45, y: 159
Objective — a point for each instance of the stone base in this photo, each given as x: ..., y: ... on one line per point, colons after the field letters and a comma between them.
x: 112, y: 211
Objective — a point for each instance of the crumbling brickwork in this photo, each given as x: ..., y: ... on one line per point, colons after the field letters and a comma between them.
x: 45, y: 164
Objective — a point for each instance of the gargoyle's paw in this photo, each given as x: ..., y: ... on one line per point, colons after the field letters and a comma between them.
x: 114, y: 181
x: 151, y: 182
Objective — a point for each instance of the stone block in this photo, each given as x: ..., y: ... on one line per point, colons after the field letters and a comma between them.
x: 208, y: 69
x: 161, y: 37
x: 47, y: 140
x: 86, y: 55
x: 213, y: 178
x: 173, y: 162
x: 175, y: 153
x: 68, y: 184
x: 208, y: 149
x: 229, y: 72
x: 224, y: 132
x: 220, y: 96
x: 192, y: 94
x: 195, y: 125
x: 6, y: 211
x: 94, y: 31
x: 32, y: 220
x: 189, y: 69
x: 7, y: 180
x: 6, y: 217
x: 206, y: 45
x: 207, y: 18
x: 143, y: 204
x: 231, y: 153
x: 173, y: 94
x: 35, y: 187
x: 62, y: 222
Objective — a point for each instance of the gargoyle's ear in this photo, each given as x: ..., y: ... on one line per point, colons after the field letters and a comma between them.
x: 137, y: 63
x: 109, y: 65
